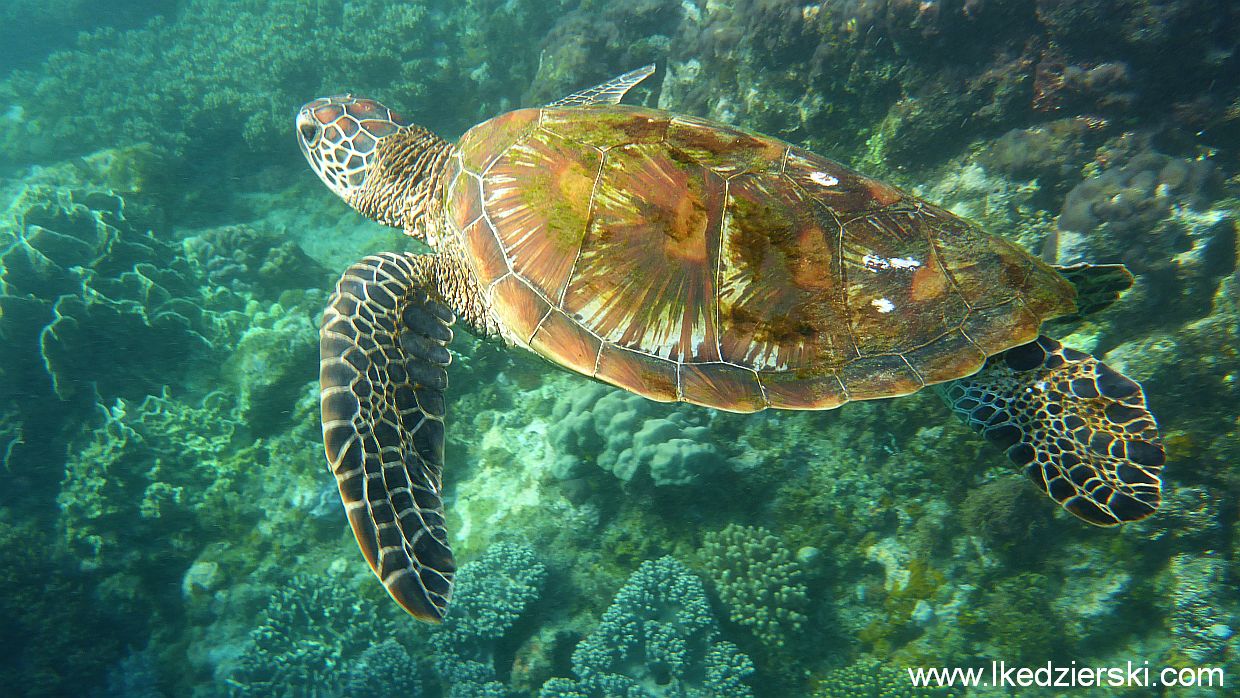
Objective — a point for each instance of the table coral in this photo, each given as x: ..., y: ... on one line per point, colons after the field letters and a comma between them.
x: 76, y: 270
x: 657, y: 640
x: 759, y: 581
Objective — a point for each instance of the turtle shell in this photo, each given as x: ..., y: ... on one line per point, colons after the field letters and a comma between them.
x: 684, y: 259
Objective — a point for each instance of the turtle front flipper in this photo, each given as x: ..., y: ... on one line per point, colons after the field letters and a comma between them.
x: 382, y: 368
x: 1080, y: 429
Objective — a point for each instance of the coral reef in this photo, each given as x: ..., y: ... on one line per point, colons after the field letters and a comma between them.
x: 1132, y: 195
x: 55, y: 635
x: 1053, y: 152
x: 474, y: 649
x: 204, y: 83
x: 383, y: 669
x: 758, y: 580
x: 658, y: 639
x: 1199, y: 616
x: 317, y: 636
x: 136, y: 486
x: 627, y: 435
x: 159, y: 430
x: 253, y: 262
x: 78, y: 271
x: 1006, y: 513
x: 134, y: 676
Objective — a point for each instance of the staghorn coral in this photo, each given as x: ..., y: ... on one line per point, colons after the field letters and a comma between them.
x: 491, y: 595
x: 657, y: 640
x: 758, y: 580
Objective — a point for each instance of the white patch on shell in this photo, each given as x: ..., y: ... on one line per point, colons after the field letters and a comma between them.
x: 883, y: 305
x: 876, y: 263
x: 823, y: 179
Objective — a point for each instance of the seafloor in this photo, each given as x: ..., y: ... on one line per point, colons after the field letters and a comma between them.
x: 167, y: 523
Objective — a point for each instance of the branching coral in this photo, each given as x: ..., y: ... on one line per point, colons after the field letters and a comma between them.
x: 758, y: 580
x: 383, y: 670
x: 318, y: 637
x: 657, y: 640
x: 491, y: 594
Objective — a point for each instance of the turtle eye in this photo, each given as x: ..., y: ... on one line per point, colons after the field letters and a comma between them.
x: 309, y: 132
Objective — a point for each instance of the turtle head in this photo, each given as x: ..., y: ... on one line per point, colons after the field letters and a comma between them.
x: 383, y: 166
x: 340, y: 137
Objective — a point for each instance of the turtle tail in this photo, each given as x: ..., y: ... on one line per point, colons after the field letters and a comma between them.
x: 1080, y: 429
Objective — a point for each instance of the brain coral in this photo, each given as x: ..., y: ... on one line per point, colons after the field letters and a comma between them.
x: 758, y: 580
x: 657, y: 640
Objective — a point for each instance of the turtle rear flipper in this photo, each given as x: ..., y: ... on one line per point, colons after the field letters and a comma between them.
x: 1080, y: 429
x: 1097, y: 287
x: 382, y: 369
x: 610, y: 92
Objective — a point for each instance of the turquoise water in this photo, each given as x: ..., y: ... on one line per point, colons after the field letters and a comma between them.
x: 168, y: 525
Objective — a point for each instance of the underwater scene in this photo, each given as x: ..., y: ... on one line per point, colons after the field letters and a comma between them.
x: 619, y: 349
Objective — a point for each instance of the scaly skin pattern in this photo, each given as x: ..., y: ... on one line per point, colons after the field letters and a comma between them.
x: 394, y: 173
x: 405, y: 189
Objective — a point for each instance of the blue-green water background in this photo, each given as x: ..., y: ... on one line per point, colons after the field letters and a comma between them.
x: 167, y: 523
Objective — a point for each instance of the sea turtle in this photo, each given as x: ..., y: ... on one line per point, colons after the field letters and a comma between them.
x: 684, y: 260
